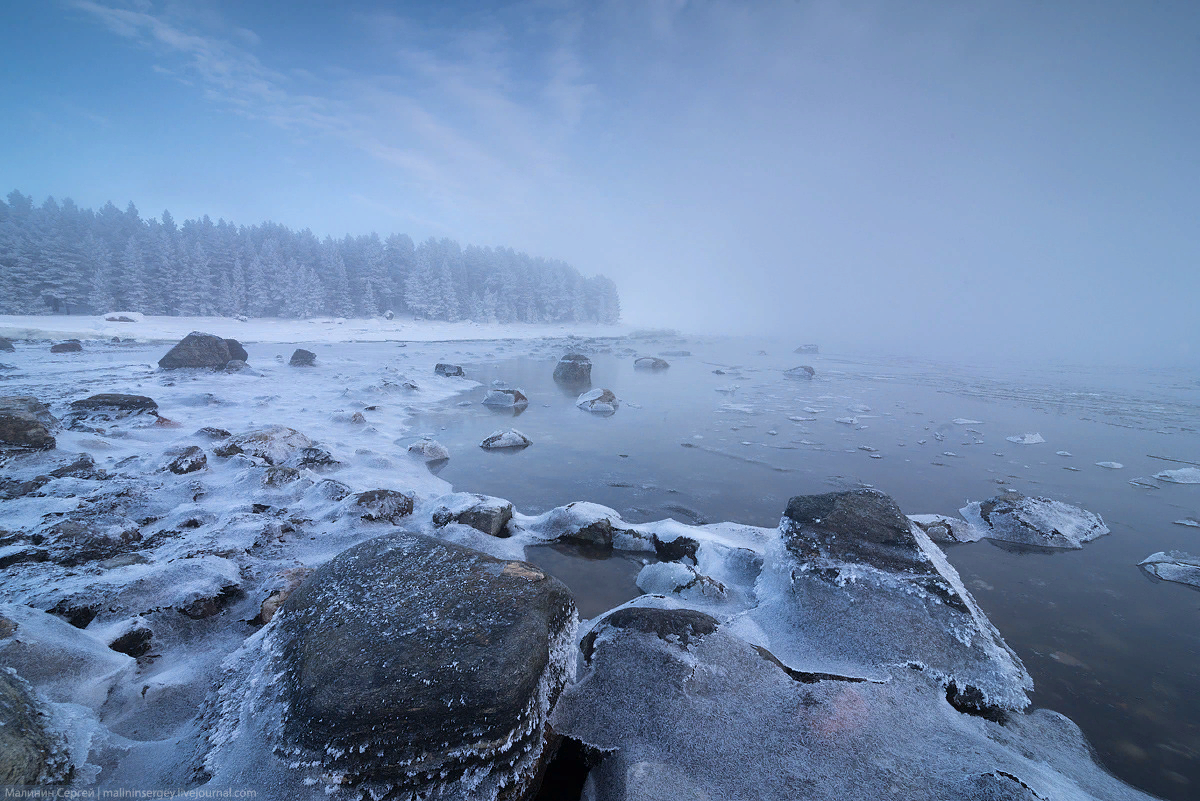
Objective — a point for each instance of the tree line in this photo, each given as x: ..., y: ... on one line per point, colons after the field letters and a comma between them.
x: 57, y: 258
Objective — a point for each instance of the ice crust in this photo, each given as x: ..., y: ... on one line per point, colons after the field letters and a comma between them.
x: 1176, y: 566
x: 1026, y: 439
x: 1031, y: 521
x: 1184, y: 475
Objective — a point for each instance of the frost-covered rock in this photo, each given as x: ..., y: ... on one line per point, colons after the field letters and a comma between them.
x: 384, y: 505
x: 650, y: 363
x: 503, y: 440
x: 598, y: 401
x: 29, y: 754
x: 1173, y: 566
x: 803, y: 371
x: 187, y: 459
x: 1039, y: 522
x: 942, y: 528
x: 449, y: 370
x: 573, y: 368
x: 405, y: 667
x: 859, y: 590
x: 506, y: 399
x: 581, y: 523
x: 429, y: 450
x: 1185, y: 475
x: 481, y: 512
x: 273, y: 444
x: 25, y: 423
x: 1026, y: 439
x: 677, y: 706
x: 198, y: 350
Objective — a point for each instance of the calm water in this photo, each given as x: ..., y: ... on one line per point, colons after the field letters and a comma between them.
x: 1109, y: 647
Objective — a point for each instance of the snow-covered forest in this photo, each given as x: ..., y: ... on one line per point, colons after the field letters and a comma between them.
x: 59, y: 258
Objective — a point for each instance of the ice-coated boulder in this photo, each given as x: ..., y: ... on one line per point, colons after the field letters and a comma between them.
x: 429, y: 450
x: 384, y: 505
x: 506, y: 399
x: 650, y: 363
x: 861, y: 591
x: 942, y: 528
x: 197, y: 350
x: 405, y: 667
x: 573, y: 368
x: 1030, y: 521
x: 187, y: 459
x: 505, y: 440
x: 302, y: 358
x: 481, y: 512
x: 448, y: 370
x: 1174, y: 566
x: 598, y: 401
x: 25, y: 422
x: 29, y: 754
x: 803, y: 371
x: 273, y: 444
x: 676, y: 706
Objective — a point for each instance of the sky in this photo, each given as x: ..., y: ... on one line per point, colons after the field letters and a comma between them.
x: 971, y: 180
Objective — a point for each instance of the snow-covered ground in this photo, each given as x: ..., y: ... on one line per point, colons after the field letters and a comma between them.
x: 376, y: 329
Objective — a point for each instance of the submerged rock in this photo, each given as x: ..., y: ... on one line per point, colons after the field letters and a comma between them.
x: 25, y: 423
x: 448, y: 370
x: 573, y: 368
x: 650, y: 363
x: 803, y: 371
x: 429, y: 450
x: 1037, y: 522
x: 598, y: 401
x: 302, y: 358
x: 1176, y: 566
x: 405, y: 667
x: 511, y: 439
x: 198, y: 350
x: 6, y: 345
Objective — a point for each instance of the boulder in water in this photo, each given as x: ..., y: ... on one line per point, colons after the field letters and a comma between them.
x: 66, y: 347
x: 198, y: 350
x: 506, y: 399
x: 505, y: 440
x: 302, y: 358
x: 1037, y: 522
x: 573, y: 368
x: 448, y: 370
x: 598, y: 401
x: 803, y: 371
x: 650, y: 363
x: 481, y: 512
x: 25, y: 422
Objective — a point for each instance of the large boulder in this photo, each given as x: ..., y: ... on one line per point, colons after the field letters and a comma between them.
x: 573, y: 368
x: 115, y: 402
x: 302, y: 358
x: 406, y: 667
x: 70, y: 346
x: 236, y: 351
x: 199, y: 350
x: 650, y: 363
x: 25, y: 422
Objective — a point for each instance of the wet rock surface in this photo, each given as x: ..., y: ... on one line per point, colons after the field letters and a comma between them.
x: 25, y: 423
x: 573, y: 368
x: 66, y: 347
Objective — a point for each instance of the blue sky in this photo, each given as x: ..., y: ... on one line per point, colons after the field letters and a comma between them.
x: 1014, y: 179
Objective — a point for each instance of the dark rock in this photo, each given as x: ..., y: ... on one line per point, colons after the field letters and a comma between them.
x: 449, y: 370
x: 598, y: 534
x: 384, y: 505
x: 29, y: 755
x: 856, y: 526
x: 66, y: 347
x: 6, y: 344
x: 115, y: 340
x: 302, y: 358
x: 377, y: 640
x: 650, y: 363
x: 315, y: 458
x: 187, y: 460
x: 115, y: 402
x: 807, y: 349
x: 358, y: 419
x: 236, y: 351
x: 680, y: 626
x: 334, y: 490
x: 135, y: 642
x: 77, y: 614
x: 74, y: 542
x: 119, y: 318
x: 803, y: 371
x: 480, y: 512
x: 83, y: 466
x: 197, y: 350
x: 237, y: 366
x: 389, y: 315
x: 23, y: 554
x: 20, y: 426
x: 675, y: 550
x: 573, y: 368
x: 202, y: 608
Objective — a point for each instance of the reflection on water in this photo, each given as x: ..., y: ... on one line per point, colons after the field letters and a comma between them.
x: 599, y: 579
x: 723, y: 434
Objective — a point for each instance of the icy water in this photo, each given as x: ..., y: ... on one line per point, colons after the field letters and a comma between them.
x: 1108, y: 646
